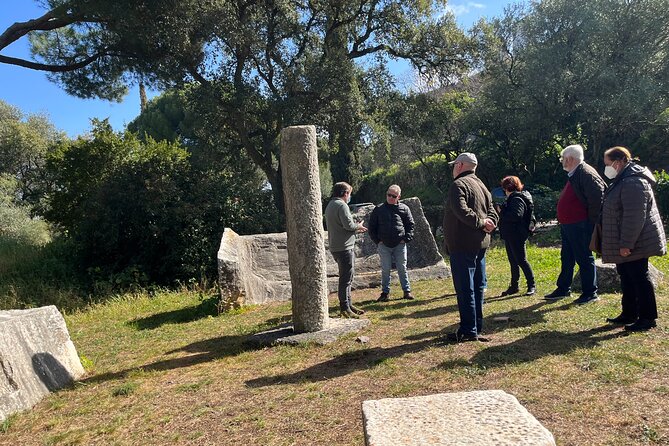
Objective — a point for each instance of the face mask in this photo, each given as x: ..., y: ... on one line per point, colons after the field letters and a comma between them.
x: 348, y: 199
x: 610, y: 172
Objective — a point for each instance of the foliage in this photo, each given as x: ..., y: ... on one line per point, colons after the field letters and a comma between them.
x: 545, y: 201
x: 15, y: 220
x: 25, y: 142
x: 565, y: 71
x: 662, y: 193
x: 34, y: 276
x: 140, y: 212
x: 262, y: 65
x: 427, y: 179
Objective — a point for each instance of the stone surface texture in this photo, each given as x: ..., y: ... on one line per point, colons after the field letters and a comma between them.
x: 608, y: 280
x: 304, y: 228
x: 286, y: 336
x: 36, y: 357
x: 253, y: 269
x: 478, y: 418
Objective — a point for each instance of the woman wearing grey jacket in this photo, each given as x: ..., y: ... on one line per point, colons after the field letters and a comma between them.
x: 632, y: 232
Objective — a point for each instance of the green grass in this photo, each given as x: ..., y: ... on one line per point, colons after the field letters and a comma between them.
x: 164, y: 368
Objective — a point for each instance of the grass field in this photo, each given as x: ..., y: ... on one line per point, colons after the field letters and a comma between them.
x: 165, y: 369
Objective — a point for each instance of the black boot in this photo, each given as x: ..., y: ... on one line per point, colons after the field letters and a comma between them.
x: 513, y: 289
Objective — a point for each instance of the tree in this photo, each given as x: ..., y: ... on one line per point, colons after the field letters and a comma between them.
x: 25, y: 142
x: 140, y: 207
x: 563, y: 71
x: 264, y: 65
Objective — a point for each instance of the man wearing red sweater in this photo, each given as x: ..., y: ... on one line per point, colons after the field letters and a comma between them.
x: 578, y: 211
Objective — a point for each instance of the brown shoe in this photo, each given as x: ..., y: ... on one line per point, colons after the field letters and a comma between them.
x: 357, y: 310
x: 383, y: 297
x: 408, y: 295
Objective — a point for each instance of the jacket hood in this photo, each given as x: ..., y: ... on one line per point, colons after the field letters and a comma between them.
x: 639, y: 171
x: 525, y: 194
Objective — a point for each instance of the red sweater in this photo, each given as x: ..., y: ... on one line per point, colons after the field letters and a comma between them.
x: 569, y: 207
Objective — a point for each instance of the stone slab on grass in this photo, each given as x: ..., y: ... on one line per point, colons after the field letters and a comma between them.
x: 608, y: 280
x: 36, y: 357
x: 478, y: 418
x: 285, y: 334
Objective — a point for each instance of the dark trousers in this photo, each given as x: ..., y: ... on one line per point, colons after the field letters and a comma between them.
x: 638, y: 293
x: 346, y: 261
x: 469, y: 280
x: 517, y: 254
x: 576, y: 250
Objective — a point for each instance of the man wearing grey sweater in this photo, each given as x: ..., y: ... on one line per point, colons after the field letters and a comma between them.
x: 341, y: 237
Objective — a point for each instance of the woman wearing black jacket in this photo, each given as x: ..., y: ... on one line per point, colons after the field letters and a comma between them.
x: 514, y: 219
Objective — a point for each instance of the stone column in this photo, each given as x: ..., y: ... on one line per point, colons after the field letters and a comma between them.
x: 304, y: 226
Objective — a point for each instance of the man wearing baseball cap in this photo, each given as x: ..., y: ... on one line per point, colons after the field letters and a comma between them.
x: 469, y: 218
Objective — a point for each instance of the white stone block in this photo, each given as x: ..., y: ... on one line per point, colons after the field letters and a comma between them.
x: 479, y: 418
x: 36, y: 357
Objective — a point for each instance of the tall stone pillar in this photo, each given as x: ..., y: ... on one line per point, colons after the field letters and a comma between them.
x: 304, y: 226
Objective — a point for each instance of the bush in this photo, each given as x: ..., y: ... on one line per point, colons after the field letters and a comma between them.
x: 662, y: 193
x: 15, y: 221
x: 33, y: 276
x: 545, y: 201
x: 141, y: 213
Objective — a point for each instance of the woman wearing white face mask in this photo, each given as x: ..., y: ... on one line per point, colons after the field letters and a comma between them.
x: 632, y: 232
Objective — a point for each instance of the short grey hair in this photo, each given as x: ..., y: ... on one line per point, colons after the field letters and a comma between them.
x: 573, y: 151
x: 396, y: 188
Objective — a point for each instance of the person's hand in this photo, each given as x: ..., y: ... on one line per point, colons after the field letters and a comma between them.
x: 625, y: 252
x: 489, y: 225
x: 361, y: 228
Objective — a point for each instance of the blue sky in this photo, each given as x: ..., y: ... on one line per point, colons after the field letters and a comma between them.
x: 32, y: 92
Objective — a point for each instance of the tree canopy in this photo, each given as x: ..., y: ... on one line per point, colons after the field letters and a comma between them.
x: 264, y: 64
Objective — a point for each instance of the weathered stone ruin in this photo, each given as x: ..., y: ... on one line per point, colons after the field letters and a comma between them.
x: 36, y: 357
x: 478, y: 418
x: 253, y: 269
x: 304, y: 214
x: 608, y: 279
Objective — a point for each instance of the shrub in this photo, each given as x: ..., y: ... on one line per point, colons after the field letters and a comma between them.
x: 545, y: 201
x: 141, y: 212
x: 15, y: 220
x: 662, y: 193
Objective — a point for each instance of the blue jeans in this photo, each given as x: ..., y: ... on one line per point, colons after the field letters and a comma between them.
x: 469, y: 280
x: 399, y: 254
x: 576, y: 250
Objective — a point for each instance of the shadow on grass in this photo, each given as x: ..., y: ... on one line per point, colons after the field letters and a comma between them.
x: 536, y: 346
x: 342, y: 365
x: 200, y: 352
x: 372, y: 304
x: 521, y: 317
x: 422, y: 314
x: 208, y: 307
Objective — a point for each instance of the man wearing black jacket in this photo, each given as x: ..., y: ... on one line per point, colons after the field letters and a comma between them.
x: 391, y: 227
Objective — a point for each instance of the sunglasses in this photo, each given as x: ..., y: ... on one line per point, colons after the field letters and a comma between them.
x: 391, y: 195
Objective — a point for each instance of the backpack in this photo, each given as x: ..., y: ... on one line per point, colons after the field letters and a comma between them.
x: 529, y: 217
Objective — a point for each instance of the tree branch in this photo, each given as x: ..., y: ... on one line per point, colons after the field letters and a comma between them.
x: 51, y: 68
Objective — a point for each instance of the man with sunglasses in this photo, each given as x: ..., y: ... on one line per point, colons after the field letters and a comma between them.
x: 391, y: 227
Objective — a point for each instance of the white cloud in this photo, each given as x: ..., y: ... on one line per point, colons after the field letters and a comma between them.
x: 463, y: 9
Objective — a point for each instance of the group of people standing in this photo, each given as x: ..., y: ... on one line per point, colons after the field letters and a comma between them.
x: 621, y: 219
